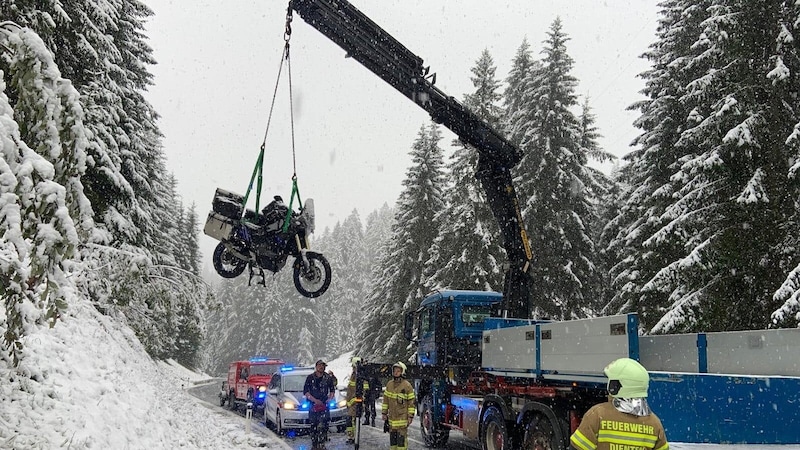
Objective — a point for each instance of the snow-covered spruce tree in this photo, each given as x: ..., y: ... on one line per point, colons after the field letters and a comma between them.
x: 398, y: 281
x: 522, y: 67
x: 788, y: 313
x: 377, y: 231
x: 263, y: 320
x: 79, y: 33
x: 342, y: 305
x: 554, y: 186
x: 603, y: 193
x: 468, y: 252
x: 646, y: 179
x: 191, y: 234
x: 38, y: 250
x: 734, y: 198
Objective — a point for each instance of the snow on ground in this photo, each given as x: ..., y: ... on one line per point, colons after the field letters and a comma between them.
x: 90, y: 385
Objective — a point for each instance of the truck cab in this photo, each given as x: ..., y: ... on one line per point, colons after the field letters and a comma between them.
x: 247, y: 381
x: 448, y: 326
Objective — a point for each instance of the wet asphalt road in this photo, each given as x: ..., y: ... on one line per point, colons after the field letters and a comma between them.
x: 371, y: 438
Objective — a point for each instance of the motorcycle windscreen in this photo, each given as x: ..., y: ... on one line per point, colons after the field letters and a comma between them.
x: 308, y: 215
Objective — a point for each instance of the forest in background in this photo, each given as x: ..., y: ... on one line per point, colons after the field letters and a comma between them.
x: 696, y: 230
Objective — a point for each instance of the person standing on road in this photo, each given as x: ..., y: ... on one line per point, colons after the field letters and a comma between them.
x: 370, y: 396
x: 625, y: 421
x: 356, y: 388
x: 319, y: 390
x: 398, y: 408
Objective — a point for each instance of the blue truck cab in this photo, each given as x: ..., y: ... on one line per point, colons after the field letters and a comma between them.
x: 449, y: 325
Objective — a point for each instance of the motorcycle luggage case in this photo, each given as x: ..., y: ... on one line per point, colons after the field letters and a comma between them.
x: 228, y: 204
x: 218, y: 226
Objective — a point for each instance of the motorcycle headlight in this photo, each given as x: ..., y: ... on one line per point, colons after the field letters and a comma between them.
x: 262, y: 389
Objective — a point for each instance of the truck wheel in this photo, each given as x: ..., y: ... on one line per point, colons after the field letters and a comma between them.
x: 494, y: 432
x: 231, y: 401
x: 433, y: 434
x: 541, y: 434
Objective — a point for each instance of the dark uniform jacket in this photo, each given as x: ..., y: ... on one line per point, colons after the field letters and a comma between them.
x: 319, y: 387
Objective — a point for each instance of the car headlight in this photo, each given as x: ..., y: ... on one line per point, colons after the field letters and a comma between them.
x: 289, y: 405
x: 262, y: 389
x: 342, y: 404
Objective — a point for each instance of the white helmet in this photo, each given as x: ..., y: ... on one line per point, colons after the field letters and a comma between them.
x: 401, y: 366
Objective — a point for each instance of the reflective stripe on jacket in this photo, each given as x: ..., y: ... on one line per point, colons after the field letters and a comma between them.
x: 351, y: 391
x: 605, y: 428
x: 399, y: 402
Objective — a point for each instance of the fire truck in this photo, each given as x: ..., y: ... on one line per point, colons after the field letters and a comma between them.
x: 512, y: 383
x: 247, y: 382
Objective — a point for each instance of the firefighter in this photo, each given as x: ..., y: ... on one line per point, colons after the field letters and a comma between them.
x: 353, y: 400
x: 625, y: 420
x: 398, y: 408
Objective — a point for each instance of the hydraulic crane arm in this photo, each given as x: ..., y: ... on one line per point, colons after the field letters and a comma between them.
x: 379, y: 52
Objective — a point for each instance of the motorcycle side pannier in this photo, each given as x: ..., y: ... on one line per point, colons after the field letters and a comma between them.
x: 228, y: 204
x: 218, y: 226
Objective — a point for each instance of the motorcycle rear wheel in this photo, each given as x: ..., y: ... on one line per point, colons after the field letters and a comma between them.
x: 226, y: 263
x: 314, y: 280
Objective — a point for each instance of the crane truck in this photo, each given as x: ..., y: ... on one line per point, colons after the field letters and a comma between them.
x: 507, y: 382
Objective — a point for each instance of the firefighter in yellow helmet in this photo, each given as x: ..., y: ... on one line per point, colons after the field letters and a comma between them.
x: 398, y: 408
x: 356, y: 388
x: 625, y: 420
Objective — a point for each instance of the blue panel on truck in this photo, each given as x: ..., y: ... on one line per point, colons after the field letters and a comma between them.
x: 727, y: 408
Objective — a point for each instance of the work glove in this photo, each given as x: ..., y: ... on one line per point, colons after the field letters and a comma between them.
x: 386, y: 426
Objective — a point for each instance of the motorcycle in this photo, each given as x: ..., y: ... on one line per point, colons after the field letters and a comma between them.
x: 264, y: 242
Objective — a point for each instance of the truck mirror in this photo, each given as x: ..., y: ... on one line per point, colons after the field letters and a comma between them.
x: 408, y: 326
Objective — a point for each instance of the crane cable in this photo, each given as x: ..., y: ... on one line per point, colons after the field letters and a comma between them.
x: 258, y: 169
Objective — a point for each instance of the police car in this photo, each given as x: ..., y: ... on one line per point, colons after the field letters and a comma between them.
x: 286, y: 408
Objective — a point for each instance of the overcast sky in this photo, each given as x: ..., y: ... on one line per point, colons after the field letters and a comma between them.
x: 218, y: 62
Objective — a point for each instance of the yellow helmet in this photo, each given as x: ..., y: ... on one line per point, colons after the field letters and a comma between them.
x: 356, y: 360
x: 402, y: 367
x: 627, y: 379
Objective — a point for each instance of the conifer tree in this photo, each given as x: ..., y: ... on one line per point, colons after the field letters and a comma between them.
x: 468, y: 252
x: 731, y: 196
x: 553, y: 183
x: 523, y: 66
x: 646, y: 179
x: 42, y: 209
x: 397, y: 284
x: 191, y: 235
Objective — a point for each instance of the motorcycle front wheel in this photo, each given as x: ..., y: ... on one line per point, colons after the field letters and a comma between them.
x: 313, y: 280
x: 226, y: 263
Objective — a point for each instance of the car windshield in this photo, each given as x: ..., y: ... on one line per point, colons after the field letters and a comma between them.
x: 264, y: 369
x: 294, y: 382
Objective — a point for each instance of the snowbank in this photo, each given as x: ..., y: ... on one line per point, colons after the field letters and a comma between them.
x: 91, y: 385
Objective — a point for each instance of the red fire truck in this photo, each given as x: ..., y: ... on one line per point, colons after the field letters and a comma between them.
x: 247, y: 382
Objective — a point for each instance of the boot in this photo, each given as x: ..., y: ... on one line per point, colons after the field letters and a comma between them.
x: 373, y: 422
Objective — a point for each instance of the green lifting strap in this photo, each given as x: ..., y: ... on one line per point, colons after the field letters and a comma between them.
x: 257, y: 170
x: 295, y: 193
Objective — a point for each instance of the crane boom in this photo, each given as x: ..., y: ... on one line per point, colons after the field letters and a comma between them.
x: 366, y: 42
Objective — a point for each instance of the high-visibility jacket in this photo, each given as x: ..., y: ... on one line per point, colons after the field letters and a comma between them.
x: 351, y: 393
x: 604, y: 427
x: 398, y: 402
